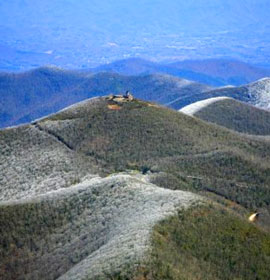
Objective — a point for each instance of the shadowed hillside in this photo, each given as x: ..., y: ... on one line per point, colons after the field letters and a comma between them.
x: 31, y: 95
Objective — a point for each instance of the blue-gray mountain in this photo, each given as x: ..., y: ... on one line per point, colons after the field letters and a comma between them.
x: 214, y: 72
x: 34, y: 94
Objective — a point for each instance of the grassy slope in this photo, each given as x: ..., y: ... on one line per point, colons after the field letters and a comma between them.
x: 237, y: 116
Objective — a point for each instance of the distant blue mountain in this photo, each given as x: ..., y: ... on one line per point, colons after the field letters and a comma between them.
x: 83, y: 34
x: 214, y: 72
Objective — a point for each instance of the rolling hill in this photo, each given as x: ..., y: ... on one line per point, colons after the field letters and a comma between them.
x: 27, y: 96
x: 114, y: 189
x: 138, y: 66
x: 229, y: 72
x: 256, y: 94
x: 214, y: 72
x: 232, y: 114
x: 34, y: 94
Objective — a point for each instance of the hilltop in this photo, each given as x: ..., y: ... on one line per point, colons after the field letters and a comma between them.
x: 112, y: 187
x: 34, y: 94
x: 256, y: 93
x: 232, y: 114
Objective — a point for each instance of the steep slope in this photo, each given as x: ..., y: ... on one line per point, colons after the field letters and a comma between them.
x: 31, y: 95
x: 260, y: 92
x: 103, y: 226
x: 214, y: 244
x: 34, y: 162
x: 232, y: 114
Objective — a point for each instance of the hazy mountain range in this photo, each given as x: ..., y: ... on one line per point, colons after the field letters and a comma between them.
x: 36, y: 93
x: 214, y: 72
x: 30, y: 95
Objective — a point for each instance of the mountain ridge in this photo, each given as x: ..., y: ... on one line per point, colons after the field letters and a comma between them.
x: 90, y: 180
x: 256, y: 93
x: 214, y: 72
x: 43, y: 91
x: 230, y: 113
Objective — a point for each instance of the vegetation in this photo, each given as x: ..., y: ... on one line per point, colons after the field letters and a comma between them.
x: 205, y: 242
x: 209, y: 242
x: 183, y: 152
x: 176, y: 152
x: 237, y: 116
x: 28, y: 234
x: 31, y: 95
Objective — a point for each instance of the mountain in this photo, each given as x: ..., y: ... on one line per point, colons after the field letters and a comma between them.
x: 230, y: 72
x: 138, y: 66
x: 214, y: 72
x: 34, y: 94
x: 115, y: 189
x: 232, y: 114
x: 256, y: 94
x: 37, y: 93
x: 28, y: 95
